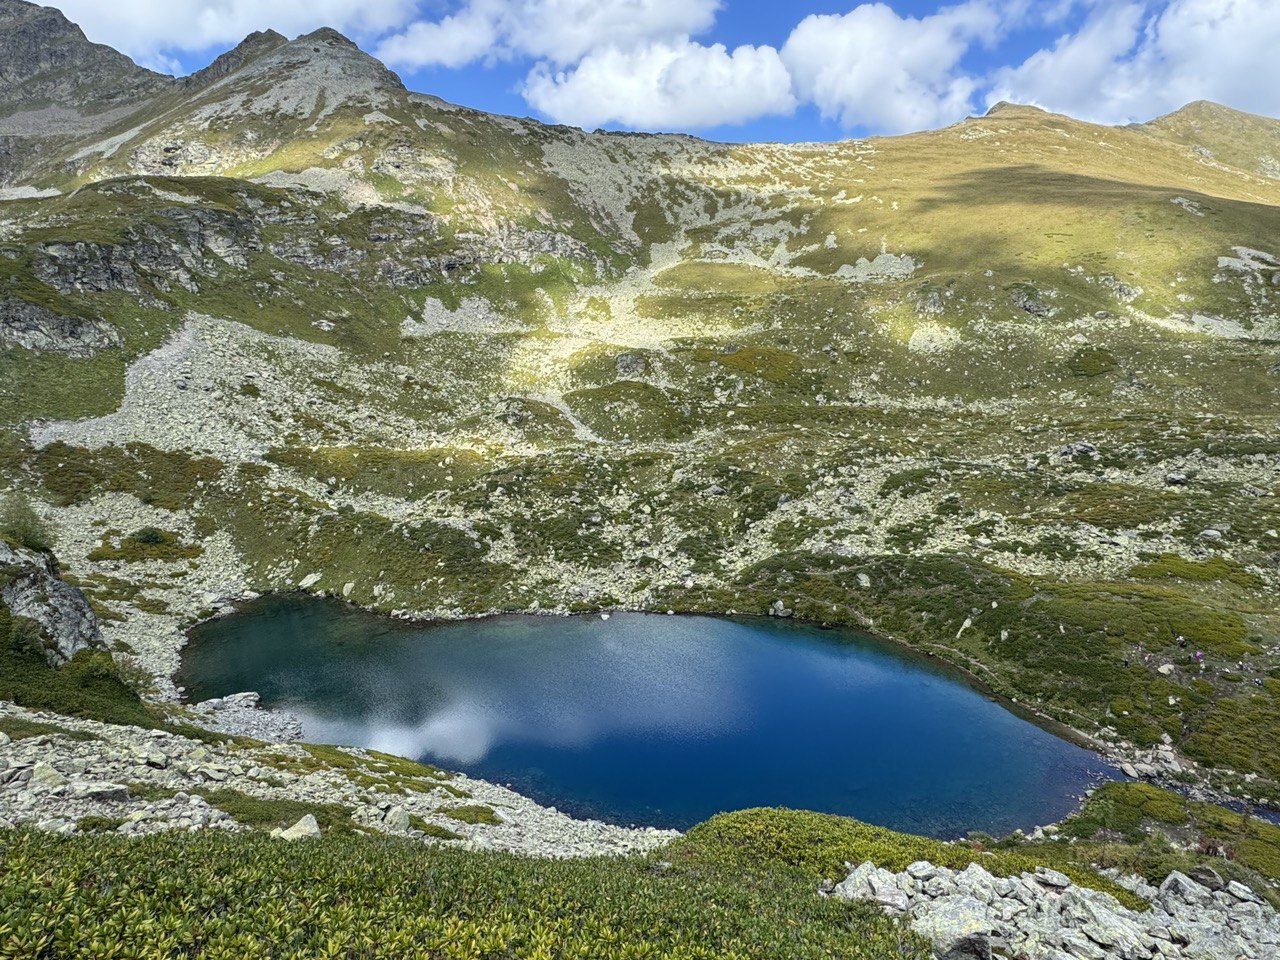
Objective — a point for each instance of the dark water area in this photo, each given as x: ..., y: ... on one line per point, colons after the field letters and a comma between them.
x: 651, y: 719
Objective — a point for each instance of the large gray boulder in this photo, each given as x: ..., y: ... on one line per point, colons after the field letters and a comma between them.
x: 960, y: 928
x: 31, y: 588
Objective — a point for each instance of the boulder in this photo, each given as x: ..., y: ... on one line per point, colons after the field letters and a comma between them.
x: 1241, y: 892
x: 30, y: 587
x: 397, y: 818
x: 306, y: 827
x: 960, y: 928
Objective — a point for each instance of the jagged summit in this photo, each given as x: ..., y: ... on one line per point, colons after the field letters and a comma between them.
x: 45, y: 59
x: 255, y: 45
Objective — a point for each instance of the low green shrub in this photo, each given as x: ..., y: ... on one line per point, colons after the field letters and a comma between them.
x: 816, y: 846
x: 217, y: 896
x: 472, y: 813
x: 20, y: 524
x: 267, y: 813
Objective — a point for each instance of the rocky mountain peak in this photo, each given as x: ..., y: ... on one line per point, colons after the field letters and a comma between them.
x: 326, y: 35
x: 255, y: 45
x: 47, y: 59
x: 308, y: 77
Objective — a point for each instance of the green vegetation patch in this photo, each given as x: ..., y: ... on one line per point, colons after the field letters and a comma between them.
x: 267, y: 813
x: 213, y: 895
x: 170, y: 480
x: 1091, y: 362
x: 817, y: 846
x: 1151, y: 831
x: 148, y: 543
x: 433, y: 830
x: 18, y: 728
x: 20, y: 524
x: 88, y: 685
x: 1214, y: 569
x: 472, y: 813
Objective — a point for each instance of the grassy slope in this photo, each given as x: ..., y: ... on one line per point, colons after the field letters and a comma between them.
x: 881, y: 429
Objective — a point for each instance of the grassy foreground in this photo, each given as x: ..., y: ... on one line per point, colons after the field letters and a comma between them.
x: 741, y: 885
x: 213, y: 895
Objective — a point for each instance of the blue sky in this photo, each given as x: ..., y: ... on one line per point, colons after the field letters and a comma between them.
x: 757, y: 70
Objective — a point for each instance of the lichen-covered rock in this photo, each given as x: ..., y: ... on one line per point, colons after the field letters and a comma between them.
x: 31, y: 588
x: 1045, y: 916
x: 36, y: 327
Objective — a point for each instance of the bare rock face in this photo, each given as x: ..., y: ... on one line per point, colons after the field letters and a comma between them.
x: 45, y: 58
x: 31, y: 588
x: 193, y: 243
x: 36, y: 327
x: 252, y: 47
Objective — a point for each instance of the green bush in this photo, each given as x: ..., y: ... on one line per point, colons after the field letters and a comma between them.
x: 86, y: 686
x: 472, y: 813
x: 816, y: 846
x: 148, y: 535
x: 267, y: 813
x: 218, y: 896
x: 20, y: 523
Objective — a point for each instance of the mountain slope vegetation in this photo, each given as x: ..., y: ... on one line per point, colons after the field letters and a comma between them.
x: 1005, y: 391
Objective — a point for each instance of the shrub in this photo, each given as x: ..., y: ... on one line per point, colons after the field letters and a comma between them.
x: 148, y: 535
x: 20, y: 523
x: 211, y: 895
x: 472, y: 813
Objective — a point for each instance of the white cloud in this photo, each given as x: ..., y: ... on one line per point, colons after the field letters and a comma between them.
x: 144, y: 28
x: 558, y: 31
x: 681, y: 85
x: 1135, y: 60
x: 873, y: 67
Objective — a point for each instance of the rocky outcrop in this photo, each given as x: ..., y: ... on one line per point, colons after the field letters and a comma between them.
x: 31, y: 588
x: 35, y: 327
x: 193, y: 242
x: 255, y: 45
x: 969, y: 914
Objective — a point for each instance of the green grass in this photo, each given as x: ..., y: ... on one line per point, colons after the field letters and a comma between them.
x: 18, y: 728
x: 209, y: 895
x: 146, y: 544
x: 472, y: 813
x: 433, y: 830
x: 267, y: 813
x: 88, y: 685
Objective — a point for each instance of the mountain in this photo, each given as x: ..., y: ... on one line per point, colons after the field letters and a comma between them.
x: 46, y: 61
x: 1004, y: 391
x: 1219, y: 134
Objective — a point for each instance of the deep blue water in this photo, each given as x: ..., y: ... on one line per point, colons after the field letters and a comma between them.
x: 653, y: 719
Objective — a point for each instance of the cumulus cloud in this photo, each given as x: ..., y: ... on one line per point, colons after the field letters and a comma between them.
x: 640, y: 63
x: 1131, y: 61
x: 145, y: 28
x: 872, y: 67
x: 556, y: 31
x: 684, y: 85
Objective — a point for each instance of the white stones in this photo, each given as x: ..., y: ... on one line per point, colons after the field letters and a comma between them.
x: 306, y: 827
x: 397, y: 819
x: 310, y: 580
x: 45, y: 777
x: 970, y: 914
x: 84, y: 778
